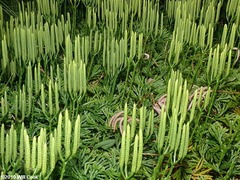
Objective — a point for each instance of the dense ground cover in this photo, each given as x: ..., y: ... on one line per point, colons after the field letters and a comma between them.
x: 118, y: 89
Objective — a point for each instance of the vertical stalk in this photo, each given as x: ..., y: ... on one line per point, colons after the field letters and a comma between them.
x: 212, y: 101
x: 63, y: 169
x: 126, y: 80
x: 133, y: 78
x: 156, y: 170
x: 74, y: 7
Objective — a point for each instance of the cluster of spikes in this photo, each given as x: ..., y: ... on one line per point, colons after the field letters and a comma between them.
x: 55, y: 63
x: 187, y: 30
x: 39, y: 154
x: 74, y: 84
x: 35, y: 37
x: 32, y: 38
x: 173, y: 121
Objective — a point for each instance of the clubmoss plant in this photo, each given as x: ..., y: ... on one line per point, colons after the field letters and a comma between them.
x: 167, y: 72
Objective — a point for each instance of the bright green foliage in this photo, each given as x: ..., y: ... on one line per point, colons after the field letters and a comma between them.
x: 126, y: 143
x: 168, y: 69
x: 38, y: 151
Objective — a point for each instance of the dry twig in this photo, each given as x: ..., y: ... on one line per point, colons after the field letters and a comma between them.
x: 119, y: 117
